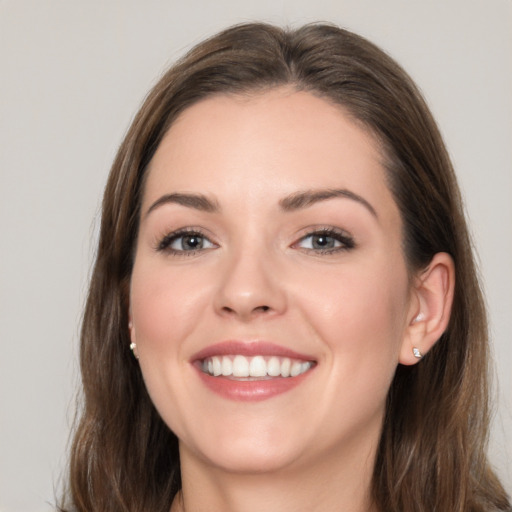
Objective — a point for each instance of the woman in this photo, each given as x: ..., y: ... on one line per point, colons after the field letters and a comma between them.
x: 283, y: 249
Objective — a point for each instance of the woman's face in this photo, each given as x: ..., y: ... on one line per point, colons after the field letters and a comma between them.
x: 269, y: 296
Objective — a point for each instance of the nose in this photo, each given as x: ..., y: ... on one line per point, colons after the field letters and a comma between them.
x: 250, y: 287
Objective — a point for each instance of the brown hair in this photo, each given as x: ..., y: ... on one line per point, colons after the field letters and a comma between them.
x: 432, y: 451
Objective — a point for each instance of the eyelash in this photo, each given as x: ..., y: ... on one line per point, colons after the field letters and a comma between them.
x: 346, y: 241
x: 165, y: 244
x: 343, y: 238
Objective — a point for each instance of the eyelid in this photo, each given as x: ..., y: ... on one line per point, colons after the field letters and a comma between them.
x: 163, y: 243
x: 343, y: 237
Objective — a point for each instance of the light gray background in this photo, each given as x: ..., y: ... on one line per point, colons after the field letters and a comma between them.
x: 73, y: 73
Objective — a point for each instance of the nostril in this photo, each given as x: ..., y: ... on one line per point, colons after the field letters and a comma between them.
x: 249, y: 312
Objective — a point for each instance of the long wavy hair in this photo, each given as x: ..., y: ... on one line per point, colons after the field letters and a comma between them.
x: 432, y: 452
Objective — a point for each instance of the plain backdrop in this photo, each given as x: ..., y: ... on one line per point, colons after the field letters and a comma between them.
x: 72, y: 75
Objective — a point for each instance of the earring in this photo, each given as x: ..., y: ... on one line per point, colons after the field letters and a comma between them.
x: 417, y: 353
x: 132, y: 348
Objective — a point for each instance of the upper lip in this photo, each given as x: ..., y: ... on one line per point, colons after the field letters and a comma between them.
x: 248, y: 349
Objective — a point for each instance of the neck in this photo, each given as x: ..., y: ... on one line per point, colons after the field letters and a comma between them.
x: 334, y: 484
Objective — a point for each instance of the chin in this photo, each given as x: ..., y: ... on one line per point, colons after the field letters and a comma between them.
x: 253, y: 447
x: 249, y: 459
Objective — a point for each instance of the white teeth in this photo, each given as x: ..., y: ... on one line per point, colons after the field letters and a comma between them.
x: 285, y: 367
x: 257, y: 366
x: 240, y: 367
x: 217, y: 366
x: 227, y: 366
x: 295, y: 370
x: 274, y: 367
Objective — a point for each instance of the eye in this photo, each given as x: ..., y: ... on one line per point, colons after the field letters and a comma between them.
x: 326, y: 241
x: 185, y: 241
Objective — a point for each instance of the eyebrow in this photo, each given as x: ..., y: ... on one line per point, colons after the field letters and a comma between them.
x: 308, y: 198
x: 295, y: 201
x: 196, y: 201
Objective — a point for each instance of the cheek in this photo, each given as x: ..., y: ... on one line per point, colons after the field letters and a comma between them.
x: 357, y: 317
x: 359, y: 314
x: 165, y: 306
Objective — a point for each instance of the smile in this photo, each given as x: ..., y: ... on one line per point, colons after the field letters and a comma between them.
x: 255, y: 367
x: 251, y: 371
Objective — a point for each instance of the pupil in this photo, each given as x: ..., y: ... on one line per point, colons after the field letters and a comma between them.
x: 191, y: 242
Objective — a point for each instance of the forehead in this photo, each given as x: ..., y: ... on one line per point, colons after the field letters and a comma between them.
x: 266, y: 146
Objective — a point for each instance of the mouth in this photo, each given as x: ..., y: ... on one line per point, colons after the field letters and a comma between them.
x: 251, y: 371
x: 254, y: 368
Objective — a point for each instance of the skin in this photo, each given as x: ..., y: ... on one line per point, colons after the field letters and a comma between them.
x: 258, y: 277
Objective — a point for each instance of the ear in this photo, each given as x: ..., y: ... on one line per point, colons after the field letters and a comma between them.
x: 133, y: 337
x: 131, y: 329
x: 430, y: 309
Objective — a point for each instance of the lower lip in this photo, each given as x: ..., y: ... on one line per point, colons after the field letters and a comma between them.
x: 251, y: 390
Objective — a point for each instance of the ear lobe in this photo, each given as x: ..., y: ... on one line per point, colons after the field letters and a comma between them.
x: 430, y: 308
x: 133, y: 344
x: 131, y: 329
